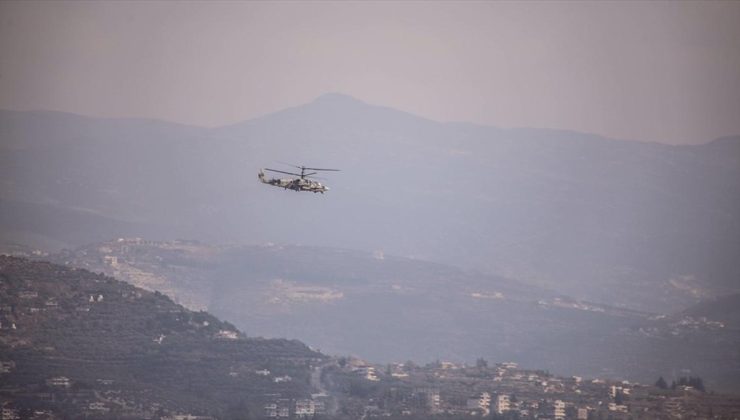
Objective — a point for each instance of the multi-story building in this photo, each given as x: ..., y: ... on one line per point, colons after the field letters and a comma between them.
x: 482, y: 403
x: 558, y: 410
x: 503, y: 403
x: 304, y: 408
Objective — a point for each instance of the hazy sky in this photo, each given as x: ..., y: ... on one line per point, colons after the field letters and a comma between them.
x: 661, y: 71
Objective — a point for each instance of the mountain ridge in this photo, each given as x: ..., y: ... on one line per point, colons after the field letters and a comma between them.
x: 335, y: 100
x: 611, y: 221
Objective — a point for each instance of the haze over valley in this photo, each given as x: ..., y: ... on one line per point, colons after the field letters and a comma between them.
x: 552, y: 248
x: 406, y: 210
x: 384, y: 308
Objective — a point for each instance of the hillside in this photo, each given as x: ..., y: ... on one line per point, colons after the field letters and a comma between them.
x: 77, y: 344
x: 385, y: 308
x: 725, y: 309
x: 73, y: 342
x: 644, y: 225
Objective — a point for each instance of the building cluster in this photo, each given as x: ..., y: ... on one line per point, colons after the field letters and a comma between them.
x: 506, y: 391
x: 662, y: 326
x: 302, y: 408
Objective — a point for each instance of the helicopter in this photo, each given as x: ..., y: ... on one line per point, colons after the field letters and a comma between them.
x: 302, y: 183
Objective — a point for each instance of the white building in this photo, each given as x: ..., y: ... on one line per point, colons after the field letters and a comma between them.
x: 618, y: 407
x: 431, y: 398
x: 227, y: 335
x: 61, y: 381
x: 7, y: 366
x: 482, y: 403
x: 28, y: 294
x: 304, y: 408
x: 368, y: 372
x: 614, y: 389
x: 280, y: 409
x: 503, y: 403
x: 9, y: 413
x: 97, y: 406
x: 558, y: 410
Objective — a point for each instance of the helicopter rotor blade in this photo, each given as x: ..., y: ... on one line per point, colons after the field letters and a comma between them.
x: 282, y: 172
x: 303, y: 169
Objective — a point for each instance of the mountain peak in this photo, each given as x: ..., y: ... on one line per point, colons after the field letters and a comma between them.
x: 328, y: 109
x: 333, y: 104
x: 336, y: 97
x: 338, y: 102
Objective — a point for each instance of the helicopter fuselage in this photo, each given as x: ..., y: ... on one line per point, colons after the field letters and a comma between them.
x: 295, y: 184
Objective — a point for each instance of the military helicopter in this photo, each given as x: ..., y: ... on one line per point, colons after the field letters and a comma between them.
x: 302, y: 183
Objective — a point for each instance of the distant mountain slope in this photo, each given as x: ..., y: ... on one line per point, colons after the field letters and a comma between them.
x: 649, y: 226
x: 385, y: 308
x: 79, y: 343
x: 57, y: 226
x: 319, y: 294
x: 725, y: 309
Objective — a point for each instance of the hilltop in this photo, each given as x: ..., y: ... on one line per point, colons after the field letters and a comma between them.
x: 74, y: 342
